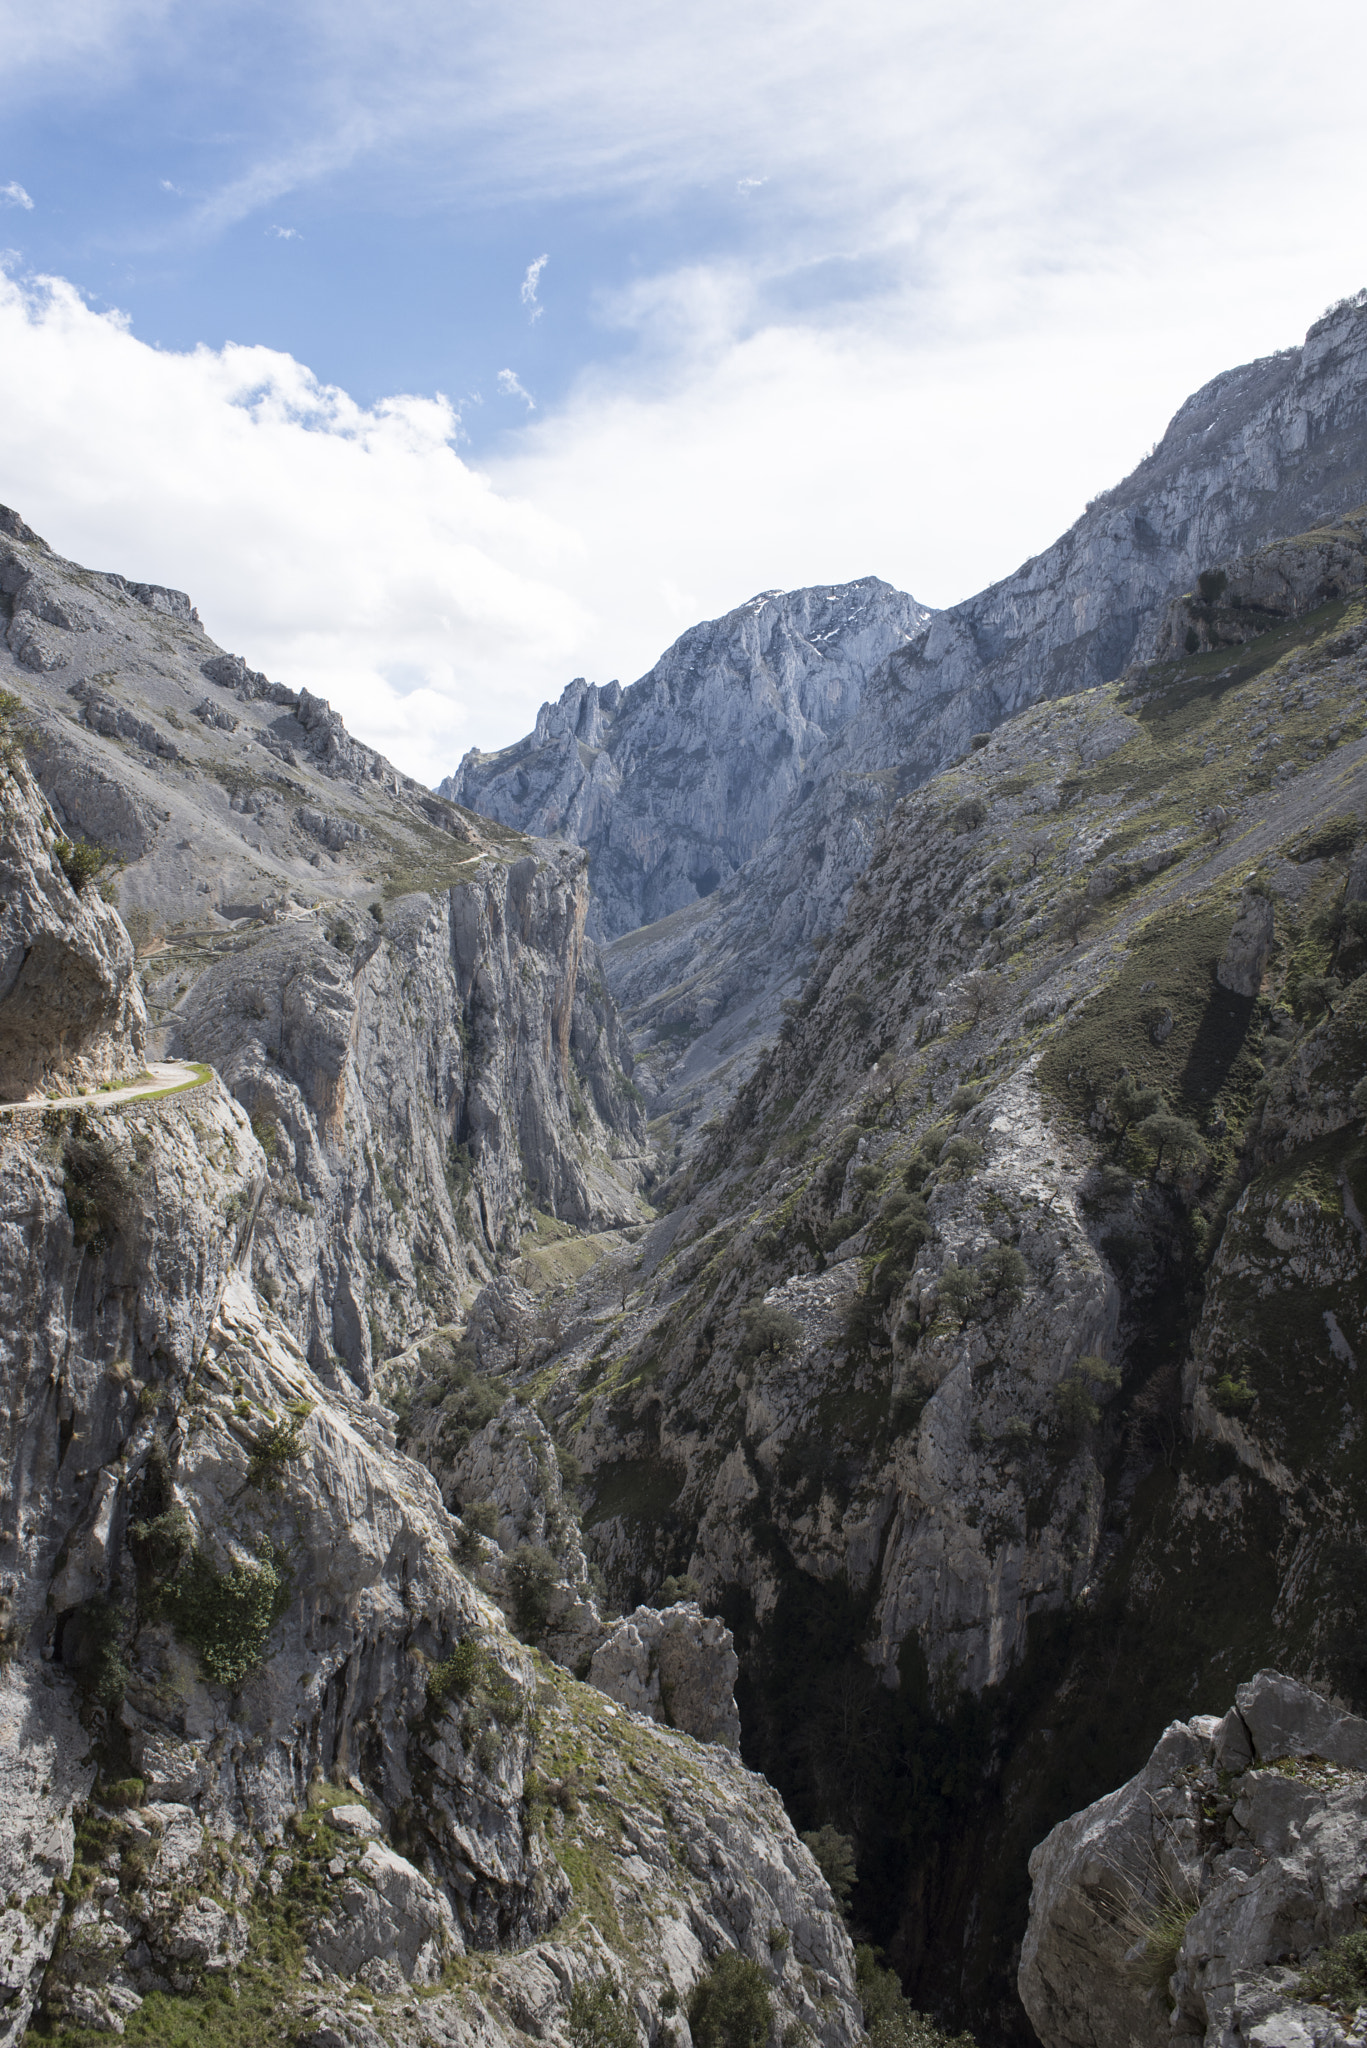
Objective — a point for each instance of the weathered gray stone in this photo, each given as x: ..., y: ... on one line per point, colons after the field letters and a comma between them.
x: 1252, y: 1903
x: 1245, y: 956
x: 675, y: 1665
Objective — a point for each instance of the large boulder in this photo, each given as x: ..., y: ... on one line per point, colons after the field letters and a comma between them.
x: 1191, y: 1902
x: 70, y: 1006
x: 678, y: 1666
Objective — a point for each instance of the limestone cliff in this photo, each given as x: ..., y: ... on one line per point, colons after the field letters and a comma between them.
x: 673, y: 783
x: 994, y: 1353
x: 267, y: 1740
x: 402, y: 997
x: 1217, y: 1896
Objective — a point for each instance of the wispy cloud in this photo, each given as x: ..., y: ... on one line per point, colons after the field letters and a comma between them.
x: 511, y: 386
x: 285, y: 234
x: 745, y: 186
x: 529, y: 287
x: 167, y: 186
x: 14, y: 194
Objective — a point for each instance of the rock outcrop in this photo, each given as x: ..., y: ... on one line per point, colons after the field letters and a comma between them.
x: 1261, y: 452
x: 265, y: 1728
x: 675, y: 782
x: 675, y: 1665
x: 71, y: 1009
x: 403, y: 998
x: 1198, y: 1900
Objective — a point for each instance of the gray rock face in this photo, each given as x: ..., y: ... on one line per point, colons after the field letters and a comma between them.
x: 71, y: 1009
x: 674, y: 783
x: 164, y: 1433
x: 1236, y: 601
x: 1245, y: 956
x: 675, y: 1665
x: 1235, y: 1856
x: 404, y: 999
x: 420, y: 1081
x: 1266, y: 450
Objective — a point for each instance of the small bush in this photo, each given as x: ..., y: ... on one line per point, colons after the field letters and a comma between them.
x: 731, y: 2006
x: 96, y: 1184
x: 1338, y: 1975
x: 1076, y: 1404
x: 123, y: 1792
x: 266, y: 1132
x: 1004, y: 1276
x: 531, y: 1580
x: 1173, y: 1138
x: 1212, y: 584
x: 79, y: 861
x: 968, y: 815
x: 958, y: 1292
x: 272, y: 1451
x: 92, y: 1646
x: 834, y: 1855
x: 769, y: 1330
x: 457, y: 1676
x: 674, y: 1589
x: 888, y: 2015
x: 960, y: 1156
x: 227, y: 1616
x: 1231, y: 1396
x: 597, y: 2017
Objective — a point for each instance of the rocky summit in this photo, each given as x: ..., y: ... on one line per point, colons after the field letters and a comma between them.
x: 704, y: 1391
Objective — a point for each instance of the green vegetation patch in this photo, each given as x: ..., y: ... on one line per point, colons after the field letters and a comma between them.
x: 1162, y: 1017
x: 227, y: 1616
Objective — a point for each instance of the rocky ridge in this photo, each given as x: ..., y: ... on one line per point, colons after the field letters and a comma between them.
x: 942, y: 1359
x: 1210, y: 1897
x: 403, y: 997
x: 1259, y: 453
x: 270, y: 1742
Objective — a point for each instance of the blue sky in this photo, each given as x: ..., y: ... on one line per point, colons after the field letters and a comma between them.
x: 827, y: 290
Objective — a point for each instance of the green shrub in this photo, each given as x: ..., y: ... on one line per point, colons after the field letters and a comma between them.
x: 731, y: 2006
x: 597, y: 2017
x: 1130, y: 1103
x: 673, y: 1589
x: 1212, y: 584
x: 97, y: 1186
x: 834, y: 1855
x: 272, y: 1451
x: 227, y: 1616
x: 960, y: 1156
x: 769, y: 1329
x: 1317, y: 994
x: 968, y: 815
x: 266, y: 1132
x: 457, y: 1676
x: 1231, y: 1396
x: 160, y: 1546
x: 79, y: 861
x: 1174, y: 1138
x: 888, y: 2015
x: 959, y: 1292
x: 531, y: 1580
x: 903, y: 1225
x: 1076, y: 1404
x: 1003, y: 1275
x: 123, y: 1792
x: 92, y: 1646
x: 1338, y: 1975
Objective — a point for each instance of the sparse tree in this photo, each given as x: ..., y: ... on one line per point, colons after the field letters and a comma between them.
x: 979, y: 995
x: 1074, y: 913
x: 1130, y: 1102
x: 1035, y: 848
x: 1217, y: 821
x: 834, y: 1853
x: 1176, y: 1139
x: 1318, y: 994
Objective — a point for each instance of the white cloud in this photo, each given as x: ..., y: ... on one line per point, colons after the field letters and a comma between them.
x: 745, y: 186
x: 529, y: 287
x: 167, y: 186
x: 511, y: 386
x: 285, y: 234
x: 14, y: 194
x: 345, y: 548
